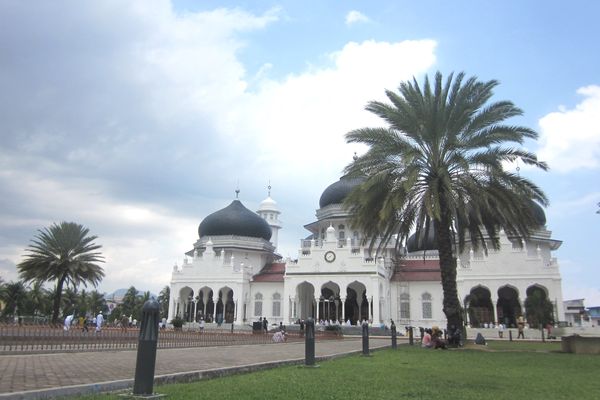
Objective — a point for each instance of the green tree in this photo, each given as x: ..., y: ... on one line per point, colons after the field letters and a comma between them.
x: 14, y: 296
x: 96, y: 303
x: 539, y: 309
x: 63, y: 253
x: 36, y: 300
x: 163, y: 301
x: 439, y: 165
x: 131, y: 302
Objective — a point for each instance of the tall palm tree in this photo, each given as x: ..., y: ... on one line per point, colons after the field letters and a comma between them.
x: 439, y: 165
x: 63, y: 253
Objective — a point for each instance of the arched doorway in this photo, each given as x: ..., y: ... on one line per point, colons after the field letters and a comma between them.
x: 305, y: 293
x: 356, y: 307
x: 480, y: 306
x: 186, y: 294
x: 509, y: 307
x: 329, y: 302
x: 538, y: 308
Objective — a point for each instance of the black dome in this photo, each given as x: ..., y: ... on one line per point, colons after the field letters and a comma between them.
x: 235, y: 219
x: 337, y: 192
x: 538, y: 213
x: 426, y: 242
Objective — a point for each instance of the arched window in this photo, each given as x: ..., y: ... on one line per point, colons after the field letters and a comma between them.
x: 404, y: 306
x: 355, y: 235
x: 342, y: 235
x: 322, y: 233
x: 426, y: 304
x: 277, y: 305
x: 258, y: 300
x: 340, y: 227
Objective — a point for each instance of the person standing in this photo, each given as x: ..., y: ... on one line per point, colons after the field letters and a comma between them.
x: 68, y: 322
x: 265, y: 324
x: 201, y: 324
x: 99, y: 321
x: 520, y: 327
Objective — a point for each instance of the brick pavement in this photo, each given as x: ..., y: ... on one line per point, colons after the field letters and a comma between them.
x: 22, y: 373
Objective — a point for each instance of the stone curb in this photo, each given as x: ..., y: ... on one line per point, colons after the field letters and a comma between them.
x: 178, y: 377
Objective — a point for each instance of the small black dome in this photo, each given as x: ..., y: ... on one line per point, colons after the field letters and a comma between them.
x: 235, y: 219
x: 538, y: 213
x: 337, y: 192
x: 426, y: 242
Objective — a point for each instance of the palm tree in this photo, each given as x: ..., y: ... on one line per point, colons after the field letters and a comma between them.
x: 63, y: 253
x: 96, y: 303
x: 439, y: 165
x: 163, y: 301
x: 13, y: 295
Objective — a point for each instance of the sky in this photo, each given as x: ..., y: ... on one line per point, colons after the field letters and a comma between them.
x: 137, y: 119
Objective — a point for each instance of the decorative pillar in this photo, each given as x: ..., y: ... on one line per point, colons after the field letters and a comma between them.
x: 343, y: 300
x: 214, y: 313
x: 318, y: 301
x: 194, y: 317
x: 495, y: 308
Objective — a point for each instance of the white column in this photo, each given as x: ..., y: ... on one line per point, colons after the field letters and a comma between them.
x: 214, y: 314
x: 171, y: 315
x: 318, y: 313
x: 343, y: 300
x: 495, y: 308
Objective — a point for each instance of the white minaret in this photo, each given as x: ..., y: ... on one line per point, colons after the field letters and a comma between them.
x: 269, y: 212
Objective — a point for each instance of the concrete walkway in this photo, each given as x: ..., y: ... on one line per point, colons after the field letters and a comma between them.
x: 44, y: 375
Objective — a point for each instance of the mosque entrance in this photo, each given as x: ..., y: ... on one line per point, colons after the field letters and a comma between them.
x: 509, y: 307
x: 356, y: 307
x: 229, y: 308
x: 480, y: 307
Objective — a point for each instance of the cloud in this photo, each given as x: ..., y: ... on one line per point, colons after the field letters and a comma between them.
x: 570, y: 138
x: 354, y: 17
x: 137, y: 121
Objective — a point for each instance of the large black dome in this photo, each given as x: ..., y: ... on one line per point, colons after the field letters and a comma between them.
x: 235, y: 219
x: 337, y: 192
x: 426, y: 242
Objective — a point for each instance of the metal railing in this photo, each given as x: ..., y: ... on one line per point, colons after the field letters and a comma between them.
x: 16, y: 339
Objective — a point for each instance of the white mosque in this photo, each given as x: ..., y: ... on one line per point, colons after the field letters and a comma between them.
x: 233, y: 274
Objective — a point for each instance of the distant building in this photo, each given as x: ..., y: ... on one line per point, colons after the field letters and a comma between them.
x: 575, y: 314
x: 234, y: 274
x: 594, y: 314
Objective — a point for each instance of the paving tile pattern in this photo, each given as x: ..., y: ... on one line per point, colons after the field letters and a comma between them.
x: 41, y: 371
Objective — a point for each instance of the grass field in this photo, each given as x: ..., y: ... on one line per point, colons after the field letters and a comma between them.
x: 502, y: 370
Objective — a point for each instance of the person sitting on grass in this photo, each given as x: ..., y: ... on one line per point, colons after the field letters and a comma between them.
x: 426, y: 341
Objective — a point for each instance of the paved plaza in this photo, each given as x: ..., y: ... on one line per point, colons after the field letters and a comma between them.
x: 20, y: 374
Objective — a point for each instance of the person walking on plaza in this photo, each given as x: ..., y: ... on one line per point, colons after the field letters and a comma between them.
x: 520, y: 327
x: 265, y: 324
x: 99, y: 321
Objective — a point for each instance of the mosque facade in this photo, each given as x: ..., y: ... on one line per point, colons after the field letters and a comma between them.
x: 233, y: 274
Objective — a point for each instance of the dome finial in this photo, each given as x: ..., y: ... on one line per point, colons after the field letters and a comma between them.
x: 269, y: 187
x: 237, y: 190
x: 355, y: 157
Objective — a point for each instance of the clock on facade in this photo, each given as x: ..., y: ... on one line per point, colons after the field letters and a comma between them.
x: 330, y: 256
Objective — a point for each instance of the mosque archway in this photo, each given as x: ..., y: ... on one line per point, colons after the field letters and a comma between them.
x: 305, y: 293
x: 538, y: 308
x: 480, y: 307
x: 225, y: 306
x: 509, y: 306
x: 329, y: 301
x: 186, y: 311
x: 356, y: 306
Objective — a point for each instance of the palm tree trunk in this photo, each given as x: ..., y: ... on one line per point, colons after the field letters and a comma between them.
x: 452, y: 308
x: 57, y: 297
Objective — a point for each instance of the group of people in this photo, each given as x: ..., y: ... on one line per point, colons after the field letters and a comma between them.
x: 84, y: 322
x: 433, y: 338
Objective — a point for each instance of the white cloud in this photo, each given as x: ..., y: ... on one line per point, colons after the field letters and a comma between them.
x: 354, y: 17
x: 137, y: 136
x: 570, y: 138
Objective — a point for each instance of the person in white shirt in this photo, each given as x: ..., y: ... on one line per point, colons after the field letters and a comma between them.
x: 68, y: 322
x: 99, y: 321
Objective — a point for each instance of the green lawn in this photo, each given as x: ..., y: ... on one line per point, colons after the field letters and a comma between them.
x: 533, y: 372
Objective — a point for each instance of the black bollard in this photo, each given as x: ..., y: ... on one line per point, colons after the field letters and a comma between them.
x: 146, y: 355
x: 365, y: 338
x: 411, y: 339
x: 394, y: 335
x: 510, y: 335
x: 309, y: 348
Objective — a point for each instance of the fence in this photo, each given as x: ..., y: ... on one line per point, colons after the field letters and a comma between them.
x: 46, y: 339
